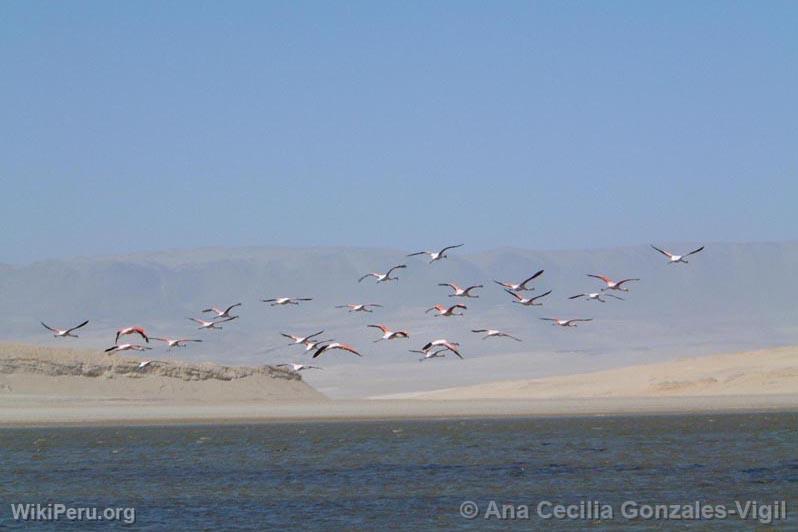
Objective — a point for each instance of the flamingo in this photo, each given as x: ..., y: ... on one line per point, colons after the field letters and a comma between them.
x: 673, y: 259
x: 566, y: 323
x: 211, y: 324
x: 440, y: 353
x: 435, y: 255
x: 131, y: 330
x: 359, y: 307
x: 460, y: 292
x: 591, y: 296
x: 388, y: 334
x: 335, y: 345
x: 383, y: 277
x: 222, y: 313
x: 442, y: 310
x: 297, y: 367
x: 519, y: 287
x: 63, y: 333
x: 613, y: 285
x: 127, y: 347
x: 310, y: 345
x: 493, y: 333
x: 144, y: 364
x: 301, y: 339
x: 175, y: 342
x: 286, y: 300
x: 442, y: 343
x: 529, y: 302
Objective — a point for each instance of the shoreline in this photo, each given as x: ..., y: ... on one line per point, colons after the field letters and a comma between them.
x: 141, y: 414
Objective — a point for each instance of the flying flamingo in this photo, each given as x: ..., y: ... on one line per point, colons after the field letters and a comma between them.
x: 297, y: 367
x: 175, y: 342
x: 300, y: 339
x: 440, y: 353
x: 211, y: 324
x: 591, y: 296
x: 493, y: 333
x: 442, y: 310
x: 335, y: 345
x: 131, y: 330
x: 219, y: 313
x: 566, y: 323
x: 63, y: 333
x: 310, y: 345
x: 286, y: 300
x: 359, y: 307
x: 673, y: 259
x: 612, y: 285
x: 388, y: 334
x: 383, y: 277
x: 519, y: 287
x: 443, y: 343
x: 435, y: 255
x: 529, y: 302
x: 460, y: 292
x: 144, y: 363
x: 127, y: 347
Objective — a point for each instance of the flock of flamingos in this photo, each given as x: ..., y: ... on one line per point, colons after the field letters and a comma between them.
x: 432, y: 349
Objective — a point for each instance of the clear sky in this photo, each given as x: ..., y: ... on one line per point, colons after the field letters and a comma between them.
x: 130, y: 126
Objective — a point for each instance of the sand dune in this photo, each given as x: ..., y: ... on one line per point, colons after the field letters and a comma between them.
x: 767, y: 372
x: 30, y: 375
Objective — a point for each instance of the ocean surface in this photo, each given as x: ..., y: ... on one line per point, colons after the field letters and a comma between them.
x: 411, y: 475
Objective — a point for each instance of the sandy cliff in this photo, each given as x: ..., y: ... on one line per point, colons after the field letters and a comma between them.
x: 30, y: 372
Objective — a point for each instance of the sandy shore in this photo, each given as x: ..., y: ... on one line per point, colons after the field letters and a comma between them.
x: 42, y: 411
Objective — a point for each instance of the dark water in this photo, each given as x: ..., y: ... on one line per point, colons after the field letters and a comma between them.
x: 403, y: 474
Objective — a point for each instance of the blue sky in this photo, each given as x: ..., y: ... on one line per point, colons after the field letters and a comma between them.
x: 151, y: 125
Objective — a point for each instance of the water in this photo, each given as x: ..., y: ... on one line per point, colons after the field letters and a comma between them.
x: 403, y: 474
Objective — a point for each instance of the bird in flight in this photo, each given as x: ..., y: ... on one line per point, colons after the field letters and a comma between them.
x: 595, y: 296
x: 211, y: 324
x: 443, y: 343
x: 442, y: 310
x: 300, y: 339
x: 673, y: 259
x: 335, y: 345
x: 175, y: 342
x: 297, y: 367
x: 388, y: 334
x: 440, y: 353
x: 127, y: 347
x: 63, y: 333
x: 219, y: 313
x: 612, y: 285
x: 527, y: 301
x: 310, y: 345
x: 522, y: 286
x: 131, y: 330
x: 286, y: 300
x: 461, y: 292
x: 359, y: 307
x: 566, y: 323
x: 383, y: 277
x: 435, y: 255
x: 143, y: 364
x: 493, y: 333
